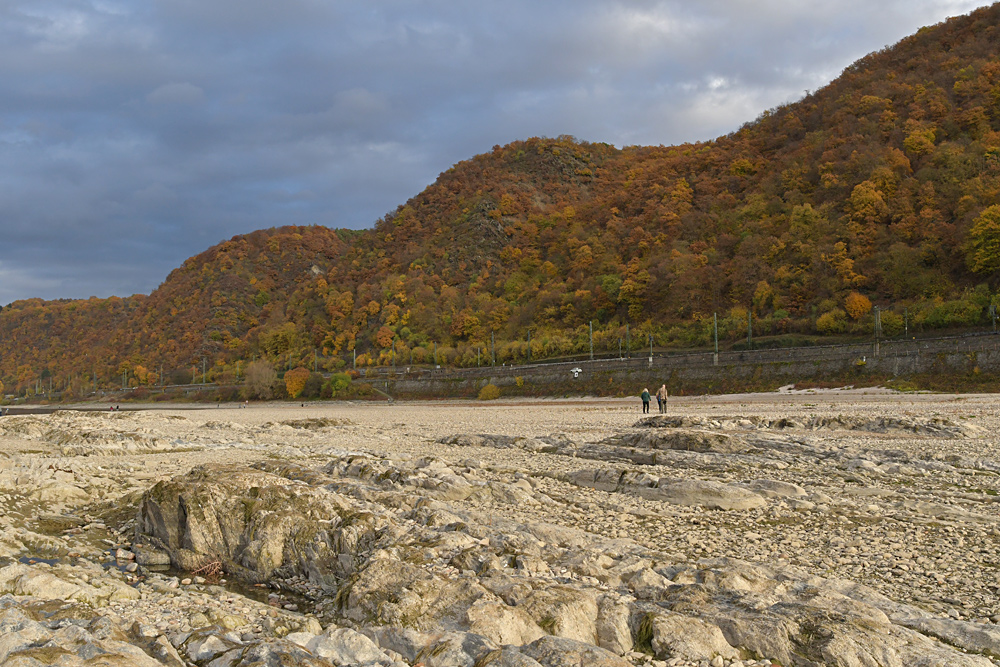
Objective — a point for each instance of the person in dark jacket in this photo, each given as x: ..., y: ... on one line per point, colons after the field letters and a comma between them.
x: 645, y: 401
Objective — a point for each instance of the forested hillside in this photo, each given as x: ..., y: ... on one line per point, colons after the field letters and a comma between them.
x: 881, y: 189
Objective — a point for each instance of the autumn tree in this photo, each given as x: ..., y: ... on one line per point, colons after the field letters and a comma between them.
x: 857, y: 305
x: 983, y: 245
x: 832, y: 322
x: 295, y: 381
x: 260, y: 379
x: 384, y: 337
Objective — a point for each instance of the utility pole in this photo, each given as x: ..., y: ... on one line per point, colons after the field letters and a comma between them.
x: 993, y: 316
x: 204, y: 372
x: 529, y: 346
x: 906, y: 323
x: 878, y: 329
x: 651, y: 347
x: 628, y: 344
x: 619, y: 348
x: 715, y: 331
x: 749, y: 330
x: 354, y: 351
x: 316, y: 359
x: 591, y: 340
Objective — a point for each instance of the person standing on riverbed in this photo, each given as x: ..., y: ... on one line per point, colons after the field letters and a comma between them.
x: 661, y: 398
x: 645, y: 401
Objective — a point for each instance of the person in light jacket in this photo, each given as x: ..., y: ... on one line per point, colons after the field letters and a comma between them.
x: 661, y: 398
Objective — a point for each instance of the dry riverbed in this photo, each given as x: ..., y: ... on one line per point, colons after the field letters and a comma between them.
x: 794, y: 528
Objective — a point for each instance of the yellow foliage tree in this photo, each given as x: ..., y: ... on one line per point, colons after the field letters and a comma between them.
x: 857, y: 305
x: 295, y: 381
x: 867, y: 203
x: 844, y: 265
x: 489, y: 392
x: 832, y: 322
x: 920, y: 141
x: 983, y: 245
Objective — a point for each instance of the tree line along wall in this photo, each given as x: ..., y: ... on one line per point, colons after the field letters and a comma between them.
x: 973, y: 357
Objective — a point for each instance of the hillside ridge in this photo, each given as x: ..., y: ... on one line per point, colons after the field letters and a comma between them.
x: 880, y: 189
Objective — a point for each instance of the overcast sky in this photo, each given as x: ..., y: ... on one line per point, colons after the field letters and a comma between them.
x: 135, y: 134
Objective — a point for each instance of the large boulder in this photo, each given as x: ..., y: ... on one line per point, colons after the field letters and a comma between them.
x: 714, y: 495
x: 456, y: 649
x: 253, y: 522
x: 969, y: 636
x: 677, y: 636
x: 564, y: 612
x: 687, y: 440
x: 706, y: 493
x: 65, y: 583
x: 501, y: 623
x: 343, y: 646
x: 566, y: 652
x: 390, y: 591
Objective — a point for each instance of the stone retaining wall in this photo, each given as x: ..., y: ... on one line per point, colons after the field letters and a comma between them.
x: 726, y: 371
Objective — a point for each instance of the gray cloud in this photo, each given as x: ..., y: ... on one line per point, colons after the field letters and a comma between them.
x: 134, y: 135
x: 172, y: 94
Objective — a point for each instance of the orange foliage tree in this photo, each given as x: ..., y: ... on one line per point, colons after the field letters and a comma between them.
x: 295, y: 381
x: 857, y: 305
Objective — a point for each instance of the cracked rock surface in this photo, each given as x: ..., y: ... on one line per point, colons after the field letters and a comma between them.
x: 830, y: 528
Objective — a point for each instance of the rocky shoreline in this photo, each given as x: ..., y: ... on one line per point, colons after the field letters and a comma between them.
x: 826, y: 529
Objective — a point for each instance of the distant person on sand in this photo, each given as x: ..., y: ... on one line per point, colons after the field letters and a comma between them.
x: 661, y: 398
x: 645, y: 401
